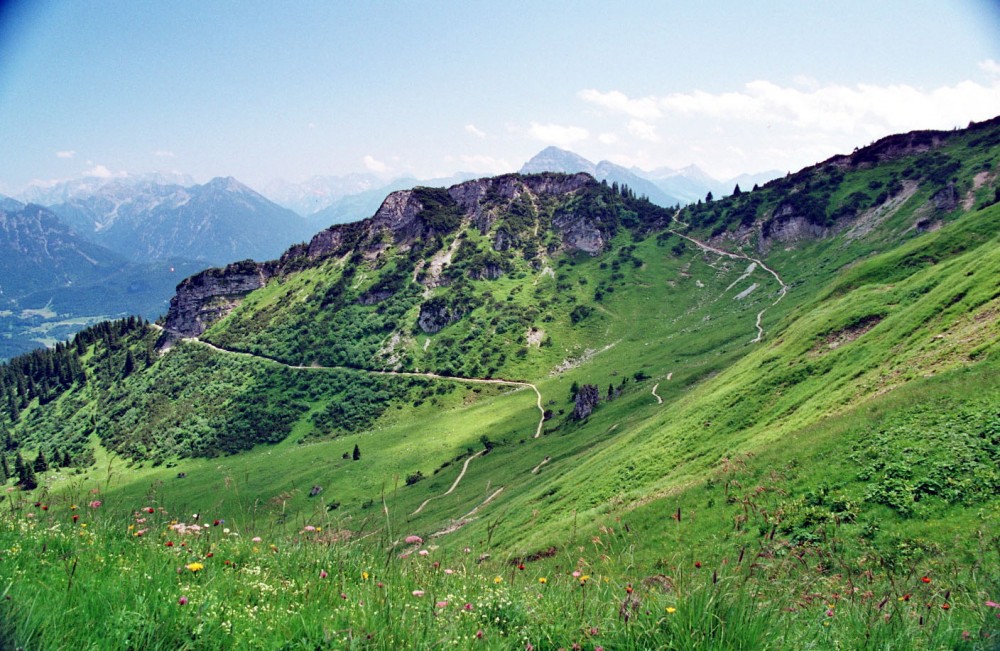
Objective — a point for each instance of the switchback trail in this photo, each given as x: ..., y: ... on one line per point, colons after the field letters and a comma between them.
x: 454, y: 485
x: 738, y: 256
x: 435, y: 376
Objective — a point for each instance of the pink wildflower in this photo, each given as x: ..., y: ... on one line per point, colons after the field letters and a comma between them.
x: 96, y: 504
x: 414, y: 540
x: 323, y: 574
x: 418, y: 593
x: 256, y: 539
x: 182, y: 601
x: 423, y: 552
x: 441, y: 604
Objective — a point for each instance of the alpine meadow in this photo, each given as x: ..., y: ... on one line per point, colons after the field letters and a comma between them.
x: 539, y: 411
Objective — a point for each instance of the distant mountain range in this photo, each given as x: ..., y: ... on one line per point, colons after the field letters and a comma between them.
x: 328, y: 200
x: 663, y: 186
x: 53, y: 282
x: 218, y: 222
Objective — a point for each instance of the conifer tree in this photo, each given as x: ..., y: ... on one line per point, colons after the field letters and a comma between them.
x: 357, y: 453
x: 41, y: 463
x: 4, y: 468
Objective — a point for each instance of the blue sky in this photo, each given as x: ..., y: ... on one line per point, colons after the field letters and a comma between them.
x: 265, y: 90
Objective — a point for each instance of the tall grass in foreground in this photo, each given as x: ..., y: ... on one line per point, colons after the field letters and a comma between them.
x: 79, y: 572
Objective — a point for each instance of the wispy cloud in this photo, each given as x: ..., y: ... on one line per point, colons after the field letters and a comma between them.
x: 645, y: 108
x: 558, y: 134
x: 991, y: 67
x: 474, y: 130
x: 864, y: 108
x: 164, y: 153
x: 69, y: 153
x: 374, y: 165
x: 642, y: 130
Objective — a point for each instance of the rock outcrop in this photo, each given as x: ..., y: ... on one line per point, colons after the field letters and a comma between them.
x: 203, y: 299
x: 405, y: 219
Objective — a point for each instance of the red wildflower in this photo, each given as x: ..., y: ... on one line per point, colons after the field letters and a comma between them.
x: 182, y: 601
x: 945, y: 606
x: 926, y: 579
x: 75, y: 517
x: 169, y: 543
x: 697, y: 564
x: 520, y: 566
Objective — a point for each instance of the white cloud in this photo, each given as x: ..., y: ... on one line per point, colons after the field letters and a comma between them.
x: 642, y: 130
x: 862, y: 109
x: 557, y: 134
x: 374, y: 165
x: 69, y: 153
x: 474, y: 130
x: 645, y: 108
x: 990, y: 67
x: 608, y: 138
x: 163, y: 153
x: 102, y: 172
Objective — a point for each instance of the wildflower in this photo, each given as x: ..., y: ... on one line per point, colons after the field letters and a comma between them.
x: 905, y: 597
x: 209, y: 555
x: 441, y: 604
x: 96, y: 504
x: 148, y: 509
x: 423, y: 552
x: 829, y: 612
x: 945, y: 606
x: 256, y: 539
x: 72, y: 507
x: 364, y: 576
x: 467, y: 607
x: 497, y: 579
x: 169, y: 543
x: 45, y: 507
x: 697, y: 564
x: 343, y: 595
x: 542, y: 580
x: 479, y: 634
x: 274, y: 548
x: 671, y: 610
x: 418, y: 593
x: 195, y: 567
x: 182, y: 601
x: 448, y: 570
x: 584, y: 579
x: 323, y: 574
x: 520, y: 566
x: 414, y: 540
x: 216, y: 523
x: 628, y: 589
x: 576, y: 575
x: 992, y: 604
x: 308, y: 528
x: 926, y: 579
x: 75, y: 516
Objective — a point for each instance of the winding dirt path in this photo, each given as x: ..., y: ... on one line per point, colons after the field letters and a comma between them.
x: 434, y: 376
x: 659, y: 400
x: 454, y: 484
x: 534, y: 471
x: 737, y: 256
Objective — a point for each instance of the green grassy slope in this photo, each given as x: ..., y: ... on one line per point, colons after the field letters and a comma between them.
x: 885, y: 296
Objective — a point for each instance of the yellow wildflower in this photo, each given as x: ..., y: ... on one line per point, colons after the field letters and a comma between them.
x: 671, y: 610
x: 542, y: 579
x: 364, y: 576
x: 497, y: 579
x: 195, y: 567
